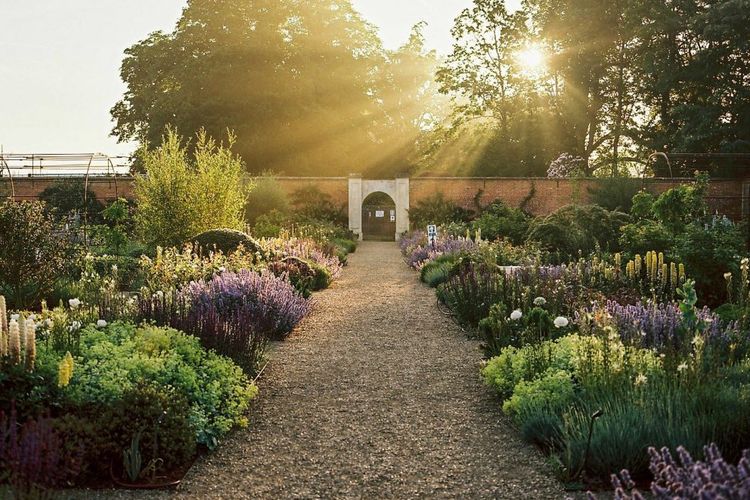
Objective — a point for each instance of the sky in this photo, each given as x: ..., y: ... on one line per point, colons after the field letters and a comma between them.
x: 60, y: 60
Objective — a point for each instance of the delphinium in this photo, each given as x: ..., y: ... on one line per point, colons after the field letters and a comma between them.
x: 712, y: 479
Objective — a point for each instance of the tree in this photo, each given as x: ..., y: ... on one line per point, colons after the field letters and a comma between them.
x: 506, y: 116
x: 296, y: 81
x: 179, y: 197
x: 411, y: 106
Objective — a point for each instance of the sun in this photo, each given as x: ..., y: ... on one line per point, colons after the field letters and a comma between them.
x: 532, y: 60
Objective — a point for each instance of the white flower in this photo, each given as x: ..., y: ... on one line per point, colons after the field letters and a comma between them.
x: 31, y: 317
x: 75, y: 326
x: 516, y: 315
x: 49, y: 323
x: 561, y: 322
x: 222, y: 269
x: 540, y: 301
x: 101, y: 323
x: 641, y: 379
x: 74, y: 303
x: 683, y: 366
x: 159, y: 294
x: 114, y: 268
x: 14, y: 317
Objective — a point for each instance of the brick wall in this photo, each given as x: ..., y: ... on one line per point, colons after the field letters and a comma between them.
x: 726, y: 196
x: 551, y: 194
x: 105, y: 188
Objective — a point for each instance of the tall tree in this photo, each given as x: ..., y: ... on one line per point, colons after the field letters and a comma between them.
x: 293, y: 79
x: 501, y: 119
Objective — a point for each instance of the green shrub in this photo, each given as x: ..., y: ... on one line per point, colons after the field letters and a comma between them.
x: 161, y: 415
x: 501, y: 221
x: 66, y: 196
x: 346, y: 245
x: 310, y: 202
x: 265, y: 196
x: 615, y: 193
x: 436, y: 209
x: 575, y: 229
x: 179, y: 197
x: 708, y: 251
x: 33, y: 255
x: 224, y: 240
x: 117, y: 359
x: 645, y: 236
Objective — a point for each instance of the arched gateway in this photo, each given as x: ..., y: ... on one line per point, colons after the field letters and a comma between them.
x: 397, y: 189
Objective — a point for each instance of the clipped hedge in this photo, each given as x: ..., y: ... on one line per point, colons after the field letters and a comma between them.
x: 224, y: 240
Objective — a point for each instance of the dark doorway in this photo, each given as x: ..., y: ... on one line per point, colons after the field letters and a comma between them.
x: 379, y: 217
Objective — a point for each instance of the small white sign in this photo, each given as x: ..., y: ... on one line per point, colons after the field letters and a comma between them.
x: 393, y: 218
x: 432, y: 234
x: 379, y: 214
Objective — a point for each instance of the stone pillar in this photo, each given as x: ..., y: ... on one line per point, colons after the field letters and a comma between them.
x: 355, y: 204
x: 402, y: 205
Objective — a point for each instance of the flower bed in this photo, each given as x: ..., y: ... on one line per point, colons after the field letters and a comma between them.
x: 599, y: 358
x: 128, y: 379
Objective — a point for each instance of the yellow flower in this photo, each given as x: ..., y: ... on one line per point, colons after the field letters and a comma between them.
x: 65, y: 370
x: 640, y: 379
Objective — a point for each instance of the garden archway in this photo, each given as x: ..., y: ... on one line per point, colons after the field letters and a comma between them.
x: 397, y: 189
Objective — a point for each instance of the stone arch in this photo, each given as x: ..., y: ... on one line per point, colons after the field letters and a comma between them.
x: 397, y: 189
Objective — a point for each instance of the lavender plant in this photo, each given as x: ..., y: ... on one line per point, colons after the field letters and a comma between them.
x: 661, y: 325
x: 712, y: 479
x: 237, y: 313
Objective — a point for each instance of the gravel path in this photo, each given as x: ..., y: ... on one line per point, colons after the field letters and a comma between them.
x: 376, y: 395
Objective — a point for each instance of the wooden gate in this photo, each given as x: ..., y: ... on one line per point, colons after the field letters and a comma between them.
x: 379, y: 222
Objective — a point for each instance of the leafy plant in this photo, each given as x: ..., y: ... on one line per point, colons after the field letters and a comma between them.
x: 501, y: 221
x: 33, y: 254
x: 223, y: 240
x: 179, y: 197
x: 436, y: 209
x: 115, y: 360
x: 132, y: 460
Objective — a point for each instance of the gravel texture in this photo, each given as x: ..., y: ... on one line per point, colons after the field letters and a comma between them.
x: 375, y: 395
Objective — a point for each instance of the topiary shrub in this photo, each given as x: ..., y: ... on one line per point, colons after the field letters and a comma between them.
x: 224, y: 240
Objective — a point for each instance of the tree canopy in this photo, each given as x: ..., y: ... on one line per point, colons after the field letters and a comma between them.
x: 308, y: 89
